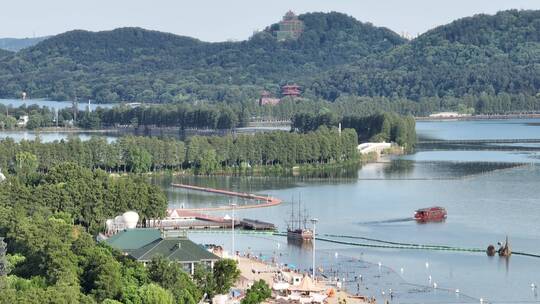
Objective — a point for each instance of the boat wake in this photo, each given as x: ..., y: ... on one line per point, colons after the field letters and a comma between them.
x: 390, y: 221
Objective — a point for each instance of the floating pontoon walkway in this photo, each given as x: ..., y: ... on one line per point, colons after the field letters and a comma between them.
x: 268, y: 201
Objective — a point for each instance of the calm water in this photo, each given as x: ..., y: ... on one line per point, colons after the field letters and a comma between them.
x: 50, y: 136
x: 488, y: 195
x: 17, y: 136
x: 52, y: 104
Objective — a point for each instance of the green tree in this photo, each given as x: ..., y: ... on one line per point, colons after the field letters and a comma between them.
x: 26, y: 164
x: 138, y: 160
x: 154, y: 294
x: 204, y: 279
x: 34, y: 121
x: 208, y: 162
x: 102, y: 274
x: 4, y: 267
x: 170, y: 276
x: 257, y: 293
x: 7, y: 122
x: 109, y: 301
x: 226, y: 273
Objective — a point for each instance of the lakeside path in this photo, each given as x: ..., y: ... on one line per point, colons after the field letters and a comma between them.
x: 480, y: 117
x: 268, y: 201
x: 253, y: 270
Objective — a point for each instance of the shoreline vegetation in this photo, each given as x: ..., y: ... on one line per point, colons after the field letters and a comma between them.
x: 198, y: 156
x: 262, y: 152
x: 207, y: 116
x: 129, y: 129
x: 48, y: 223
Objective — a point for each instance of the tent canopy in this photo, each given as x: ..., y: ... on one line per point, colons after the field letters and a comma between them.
x: 280, y: 286
x: 306, y: 285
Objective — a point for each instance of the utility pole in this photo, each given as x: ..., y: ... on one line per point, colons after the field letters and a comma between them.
x: 232, y: 227
x: 314, y: 222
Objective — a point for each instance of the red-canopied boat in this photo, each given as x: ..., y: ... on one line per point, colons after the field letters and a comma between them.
x: 431, y: 214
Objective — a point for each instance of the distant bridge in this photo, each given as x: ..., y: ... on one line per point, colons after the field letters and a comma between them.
x: 480, y: 141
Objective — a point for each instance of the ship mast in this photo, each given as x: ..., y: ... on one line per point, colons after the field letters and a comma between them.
x: 299, y: 211
x: 306, y: 215
x: 291, y: 222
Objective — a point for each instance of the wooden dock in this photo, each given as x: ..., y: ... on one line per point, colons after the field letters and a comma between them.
x: 195, y: 218
x: 181, y: 219
x: 267, y: 201
x: 250, y: 224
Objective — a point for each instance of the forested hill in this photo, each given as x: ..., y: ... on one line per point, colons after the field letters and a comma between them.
x: 4, y: 53
x: 336, y: 55
x: 480, y: 54
x: 135, y: 64
x: 505, y: 30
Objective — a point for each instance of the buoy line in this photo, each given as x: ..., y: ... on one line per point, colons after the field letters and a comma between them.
x: 397, y: 245
x: 384, y: 244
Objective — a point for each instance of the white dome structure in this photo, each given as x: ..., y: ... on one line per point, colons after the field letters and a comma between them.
x: 119, y: 220
x: 130, y: 218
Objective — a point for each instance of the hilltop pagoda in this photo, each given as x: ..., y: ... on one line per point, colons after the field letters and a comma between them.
x: 292, y: 90
x: 290, y: 27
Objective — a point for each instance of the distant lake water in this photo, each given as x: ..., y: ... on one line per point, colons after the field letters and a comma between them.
x: 53, y: 104
x: 489, y: 194
x: 18, y: 136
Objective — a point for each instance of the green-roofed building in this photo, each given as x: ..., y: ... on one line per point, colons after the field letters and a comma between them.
x: 143, y: 244
x: 132, y: 239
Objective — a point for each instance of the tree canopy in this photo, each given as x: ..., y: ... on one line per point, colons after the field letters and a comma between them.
x: 49, y: 223
x: 335, y: 56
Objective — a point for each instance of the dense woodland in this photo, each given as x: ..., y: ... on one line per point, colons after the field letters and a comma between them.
x: 470, y: 56
x: 386, y: 127
x: 230, y: 116
x: 133, y: 64
x: 203, y: 154
x: 47, y: 218
x: 4, y: 53
x: 337, y: 57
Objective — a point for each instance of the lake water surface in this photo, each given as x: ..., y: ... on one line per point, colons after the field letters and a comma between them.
x: 53, y: 104
x: 489, y: 194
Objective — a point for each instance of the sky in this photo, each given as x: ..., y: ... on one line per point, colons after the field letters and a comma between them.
x: 221, y: 20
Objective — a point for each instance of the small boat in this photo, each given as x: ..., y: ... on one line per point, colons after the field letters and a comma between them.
x: 431, y: 214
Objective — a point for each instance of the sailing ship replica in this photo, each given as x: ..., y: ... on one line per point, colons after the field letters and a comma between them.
x: 297, y: 229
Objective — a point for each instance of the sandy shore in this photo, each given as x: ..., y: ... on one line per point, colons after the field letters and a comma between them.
x: 254, y: 270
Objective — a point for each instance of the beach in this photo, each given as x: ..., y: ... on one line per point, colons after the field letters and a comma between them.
x: 254, y: 269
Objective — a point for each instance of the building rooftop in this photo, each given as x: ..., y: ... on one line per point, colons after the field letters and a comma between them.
x: 131, y: 239
x: 143, y: 244
x: 175, y: 249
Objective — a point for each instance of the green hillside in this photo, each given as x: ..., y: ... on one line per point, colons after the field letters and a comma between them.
x: 336, y: 56
x: 4, y: 53
x: 134, y: 64
x: 480, y: 54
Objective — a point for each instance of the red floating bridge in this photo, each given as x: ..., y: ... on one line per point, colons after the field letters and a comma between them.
x: 267, y: 201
